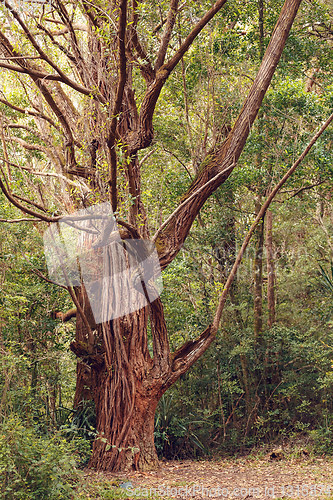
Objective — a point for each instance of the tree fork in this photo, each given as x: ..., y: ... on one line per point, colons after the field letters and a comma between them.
x: 126, y: 381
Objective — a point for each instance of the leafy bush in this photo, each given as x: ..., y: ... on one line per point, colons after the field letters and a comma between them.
x: 33, y: 466
x: 322, y: 438
x: 175, y: 436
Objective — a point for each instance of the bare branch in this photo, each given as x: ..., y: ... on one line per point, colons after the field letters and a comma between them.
x: 33, y: 203
x: 179, y: 161
x: 70, y: 152
x: 171, y: 19
x: 80, y: 62
x: 24, y: 209
x: 194, y: 33
x: 84, y: 187
x: 55, y: 42
x: 29, y: 112
x: 193, y: 195
x: 48, y: 76
x: 11, y: 221
x: 63, y: 77
x: 32, y: 72
x: 45, y: 278
x: 305, y: 188
x: 36, y: 73
x: 145, y: 158
x: 260, y: 215
x: 144, y: 136
x: 19, y: 57
x: 134, y: 40
x: 28, y: 145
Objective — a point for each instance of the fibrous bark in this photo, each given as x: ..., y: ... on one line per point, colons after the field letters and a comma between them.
x: 124, y: 380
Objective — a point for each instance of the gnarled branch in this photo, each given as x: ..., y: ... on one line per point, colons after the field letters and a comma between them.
x: 171, y: 239
x: 118, y: 101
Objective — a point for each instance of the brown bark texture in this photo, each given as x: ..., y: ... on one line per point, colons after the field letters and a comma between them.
x: 270, y: 269
x: 115, y: 367
x: 257, y: 272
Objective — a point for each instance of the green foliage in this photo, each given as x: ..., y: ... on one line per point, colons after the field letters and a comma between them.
x: 245, y: 390
x: 34, y: 467
x: 174, y: 435
x: 322, y: 439
x: 326, y: 279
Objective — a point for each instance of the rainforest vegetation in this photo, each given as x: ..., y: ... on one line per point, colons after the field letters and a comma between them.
x: 184, y: 116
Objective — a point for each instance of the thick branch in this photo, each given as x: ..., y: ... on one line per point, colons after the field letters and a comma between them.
x: 117, y: 103
x: 189, y: 353
x: 174, y: 234
x: 260, y: 215
x: 71, y: 313
x: 145, y: 134
x: 186, y: 355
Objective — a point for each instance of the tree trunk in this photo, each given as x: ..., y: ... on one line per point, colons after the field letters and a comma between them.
x: 270, y: 269
x: 124, y: 396
x: 125, y: 383
x: 258, y: 261
x: 125, y: 424
x: 118, y: 371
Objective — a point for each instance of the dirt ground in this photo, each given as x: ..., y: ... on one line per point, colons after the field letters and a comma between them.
x: 234, y: 479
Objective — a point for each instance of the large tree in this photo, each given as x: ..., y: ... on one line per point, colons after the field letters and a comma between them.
x: 81, y: 82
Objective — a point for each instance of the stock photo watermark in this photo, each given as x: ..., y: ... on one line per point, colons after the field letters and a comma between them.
x: 119, y: 276
x: 199, y: 490
x: 31, y: 7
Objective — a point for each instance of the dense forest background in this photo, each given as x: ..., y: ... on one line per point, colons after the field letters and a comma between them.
x: 268, y: 377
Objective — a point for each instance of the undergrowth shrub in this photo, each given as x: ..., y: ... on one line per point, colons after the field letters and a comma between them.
x: 322, y: 439
x: 35, y: 467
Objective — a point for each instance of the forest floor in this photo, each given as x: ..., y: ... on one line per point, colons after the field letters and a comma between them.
x: 247, y: 478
